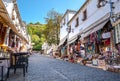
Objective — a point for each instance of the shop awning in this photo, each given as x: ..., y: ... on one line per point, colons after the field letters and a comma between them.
x: 72, y: 40
x: 4, y: 16
x: 75, y: 37
x: 87, y: 33
x: 62, y: 41
x: 97, y: 25
x: 100, y: 26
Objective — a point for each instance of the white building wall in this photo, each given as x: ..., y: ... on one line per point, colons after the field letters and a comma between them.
x: 93, y: 14
x: 70, y: 15
x: 117, y: 6
x: 63, y: 31
x: 9, y: 6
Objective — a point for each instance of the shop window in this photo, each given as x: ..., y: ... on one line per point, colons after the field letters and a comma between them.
x: 84, y: 15
x: 77, y: 22
x: 69, y: 28
x: 13, y: 17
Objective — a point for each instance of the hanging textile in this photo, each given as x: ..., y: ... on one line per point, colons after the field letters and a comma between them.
x: 90, y: 48
x: 118, y: 48
x: 99, y: 35
x: 92, y: 37
x: 107, y: 42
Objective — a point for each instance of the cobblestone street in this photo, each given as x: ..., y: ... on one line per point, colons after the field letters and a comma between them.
x: 44, y: 68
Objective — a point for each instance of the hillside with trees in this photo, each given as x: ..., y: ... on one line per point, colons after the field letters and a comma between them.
x: 36, y: 32
x: 48, y: 32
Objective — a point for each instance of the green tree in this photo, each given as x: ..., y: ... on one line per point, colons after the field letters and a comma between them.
x: 37, y: 23
x: 37, y: 36
x: 52, y: 27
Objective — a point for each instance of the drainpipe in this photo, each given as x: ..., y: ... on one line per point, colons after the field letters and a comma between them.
x: 111, y: 11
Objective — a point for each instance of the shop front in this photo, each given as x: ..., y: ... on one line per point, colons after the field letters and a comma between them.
x: 116, y: 51
x: 102, y: 44
x: 99, y: 42
x: 96, y: 36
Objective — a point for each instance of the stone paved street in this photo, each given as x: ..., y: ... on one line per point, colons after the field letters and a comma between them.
x: 44, y: 68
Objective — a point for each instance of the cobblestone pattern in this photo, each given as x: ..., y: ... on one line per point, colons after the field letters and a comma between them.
x: 44, y: 68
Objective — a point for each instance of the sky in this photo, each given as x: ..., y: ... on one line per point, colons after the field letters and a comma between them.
x: 36, y: 10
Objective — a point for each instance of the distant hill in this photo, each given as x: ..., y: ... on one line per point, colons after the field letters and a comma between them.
x: 36, y: 32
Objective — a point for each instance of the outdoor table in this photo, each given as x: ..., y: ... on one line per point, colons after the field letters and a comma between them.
x: 19, y: 54
x: 16, y: 61
x: 2, y: 58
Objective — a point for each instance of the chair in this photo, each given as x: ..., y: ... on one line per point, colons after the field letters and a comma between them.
x: 21, y: 61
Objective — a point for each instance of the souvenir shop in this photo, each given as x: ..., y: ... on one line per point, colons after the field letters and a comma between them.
x: 75, y: 49
x: 116, y: 27
x: 99, y: 41
x: 104, y: 44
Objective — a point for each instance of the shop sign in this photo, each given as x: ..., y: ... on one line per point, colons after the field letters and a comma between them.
x: 106, y: 35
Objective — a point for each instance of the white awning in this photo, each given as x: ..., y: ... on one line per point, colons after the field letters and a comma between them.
x: 87, y: 33
x: 96, y: 26
x: 100, y: 26
x: 73, y: 39
x: 63, y: 40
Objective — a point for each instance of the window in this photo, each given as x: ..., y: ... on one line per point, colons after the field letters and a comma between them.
x: 69, y: 28
x: 101, y: 3
x: 64, y: 22
x: 84, y: 15
x: 77, y: 22
x: 13, y: 17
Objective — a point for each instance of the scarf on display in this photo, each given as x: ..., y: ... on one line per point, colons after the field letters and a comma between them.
x: 119, y: 49
x: 98, y: 35
x: 87, y: 47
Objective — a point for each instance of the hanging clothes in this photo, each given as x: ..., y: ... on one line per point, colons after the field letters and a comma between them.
x: 118, y: 48
x: 107, y: 42
x: 92, y: 37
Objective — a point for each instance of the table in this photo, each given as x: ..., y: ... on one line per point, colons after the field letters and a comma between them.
x: 19, y: 54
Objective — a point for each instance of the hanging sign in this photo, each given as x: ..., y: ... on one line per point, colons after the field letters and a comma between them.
x: 106, y: 35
